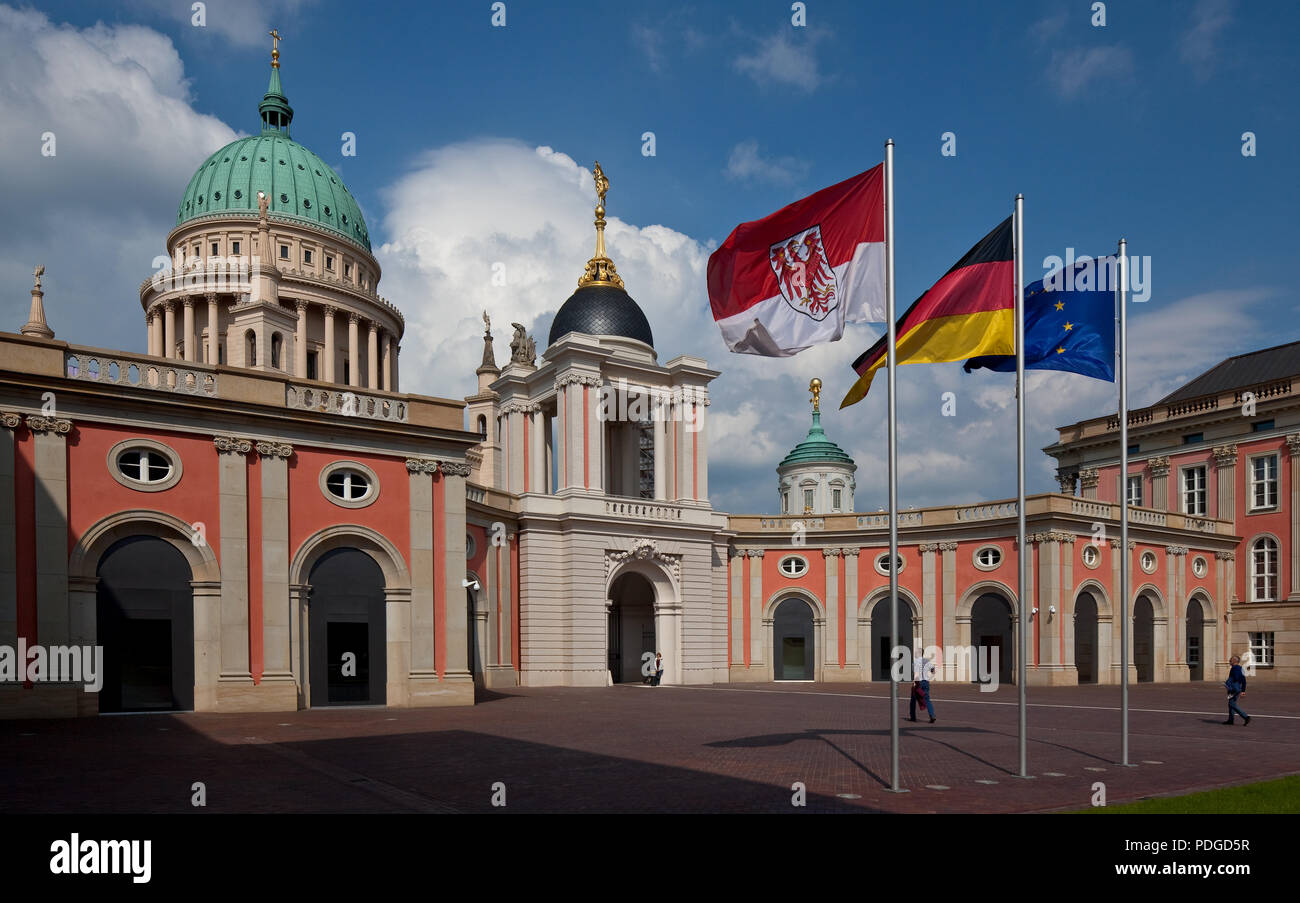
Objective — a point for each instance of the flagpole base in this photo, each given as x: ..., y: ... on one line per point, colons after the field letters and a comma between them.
x: 897, y: 790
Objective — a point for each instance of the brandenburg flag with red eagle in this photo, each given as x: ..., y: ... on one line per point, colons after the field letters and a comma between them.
x: 791, y: 280
x: 969, y: 312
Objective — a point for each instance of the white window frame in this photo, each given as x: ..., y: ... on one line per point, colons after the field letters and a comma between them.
x: 809, y: 503
x: 144, y: 445
x: 790, y: 559
x: 1095, y: 556
x: 1200, y: 491
x: 1253, y: 484
x: 1134, y: 480
x: 372, y: 493
x: 977, y: 556
x: 1148, y: 554
x: 1268, y: 571
x: 878, y: 563
x: 1262, y: 648
x: 837, y: 498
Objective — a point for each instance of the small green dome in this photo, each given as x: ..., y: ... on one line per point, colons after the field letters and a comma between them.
x: 816, y: 448
x: 298, y: 184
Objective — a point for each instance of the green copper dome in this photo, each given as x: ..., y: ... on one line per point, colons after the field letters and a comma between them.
x: 298, y: 184
x: 816, y: 448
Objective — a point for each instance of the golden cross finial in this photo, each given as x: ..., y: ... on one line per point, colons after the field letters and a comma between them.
x: 600, y: 269
x: 815, y: 387
x: 275, y: 48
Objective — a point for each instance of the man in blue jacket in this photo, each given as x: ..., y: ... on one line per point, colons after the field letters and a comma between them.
x: 1236, y: 685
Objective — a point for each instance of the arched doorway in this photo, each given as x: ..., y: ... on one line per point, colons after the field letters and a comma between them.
x: 882, y: 644
x: 1085, y: 638
x: 144, y: 614
x: 631, y: 628
x: 1195, y: 639
x: 793, y: 653
x: 1144, y: 639
x: 991, y: 633
x: 347, y: 629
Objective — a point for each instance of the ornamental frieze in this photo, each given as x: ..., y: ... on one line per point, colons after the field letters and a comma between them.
x: 38, y: 424
x: 1225, y: 455
x: 1159, y: 466
x: 580, y: 379
x: 644, y: 550
x: 947, y: 547
x: 274, y: 450
x: 421, y: 465
x: 1089, y: 478
x: 1176, y: 550
x: 929, y: 547
x: 10, y: 421
x: 454, y: 468
x: 1226, y: 556
x: 231, y: 445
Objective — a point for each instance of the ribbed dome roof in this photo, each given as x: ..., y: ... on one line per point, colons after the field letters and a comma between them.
x: 601, y: 310
x: 816, y: 448
x: 298, y: 184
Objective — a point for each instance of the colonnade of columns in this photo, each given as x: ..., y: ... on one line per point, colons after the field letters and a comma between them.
x: 381, y: 344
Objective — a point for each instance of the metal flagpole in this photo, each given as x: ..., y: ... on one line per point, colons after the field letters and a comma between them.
x: 893, y: 463
x: 1121, y: 266
x: 1022, y: 557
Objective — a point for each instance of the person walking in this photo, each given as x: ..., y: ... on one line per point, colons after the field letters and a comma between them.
x: 659, y: 669
x: 1236, y: 686
x: 921, y: 687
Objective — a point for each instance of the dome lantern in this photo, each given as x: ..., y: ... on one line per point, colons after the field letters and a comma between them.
x: 274, y: 109
x: 601, y: 306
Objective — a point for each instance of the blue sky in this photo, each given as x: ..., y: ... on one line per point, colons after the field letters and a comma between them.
x: 1130, y: 129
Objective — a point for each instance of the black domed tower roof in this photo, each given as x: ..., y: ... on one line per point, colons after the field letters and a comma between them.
x: 601, y: 306
x: 602, y: 309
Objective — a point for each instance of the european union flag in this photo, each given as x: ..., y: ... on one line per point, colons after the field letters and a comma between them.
x: 1069, y: 323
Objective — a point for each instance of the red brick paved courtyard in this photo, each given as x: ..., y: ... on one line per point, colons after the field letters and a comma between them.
x: 672, y: 749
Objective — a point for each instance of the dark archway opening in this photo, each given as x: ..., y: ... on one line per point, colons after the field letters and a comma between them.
x: 630, y: 635
x: 1144, y: 641
x: 1085, y: 638
x: 1195, y: 638
x: 144, y: 607
x: 992, y: 633
x: 794, y: 656
x: 347, y: 630
x: 882, y: 644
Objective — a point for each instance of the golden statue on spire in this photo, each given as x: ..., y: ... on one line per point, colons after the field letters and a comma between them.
x: 815, y: 387
x: 600, y: 269
x: 275, y: 48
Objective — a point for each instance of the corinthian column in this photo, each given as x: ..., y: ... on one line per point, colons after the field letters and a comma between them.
x: 300, y: 343
x: 329, y: 375
x: 354, y: 378
x: 169, y: 329
x: 372, y: 357
x: 214, y: 333
x: 189, y: 329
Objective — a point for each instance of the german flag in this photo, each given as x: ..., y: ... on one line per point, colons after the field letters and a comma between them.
x: 970, y: 311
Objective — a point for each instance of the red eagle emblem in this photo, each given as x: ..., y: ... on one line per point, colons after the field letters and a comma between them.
x: 804, y: 274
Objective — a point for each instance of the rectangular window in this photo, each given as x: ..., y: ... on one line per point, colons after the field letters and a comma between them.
x: 835, y: 498
x: 1134, y: 449
x: 807, y: 499
x: 284, y: 252
x: 1263, y: 482
x: 785, y: 503
x: 1135, y: 490
x: 347, y: 270
x: 1261, y: 648
x: 1261, y: 426
x: 216, y: 249
x: 311, y: 365
x: 234, y: 248
x: 1193, y: 438
x: 1263, y: 570
x: 329, y: 262
x: 1194, y: 490
x: 306, y: 256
